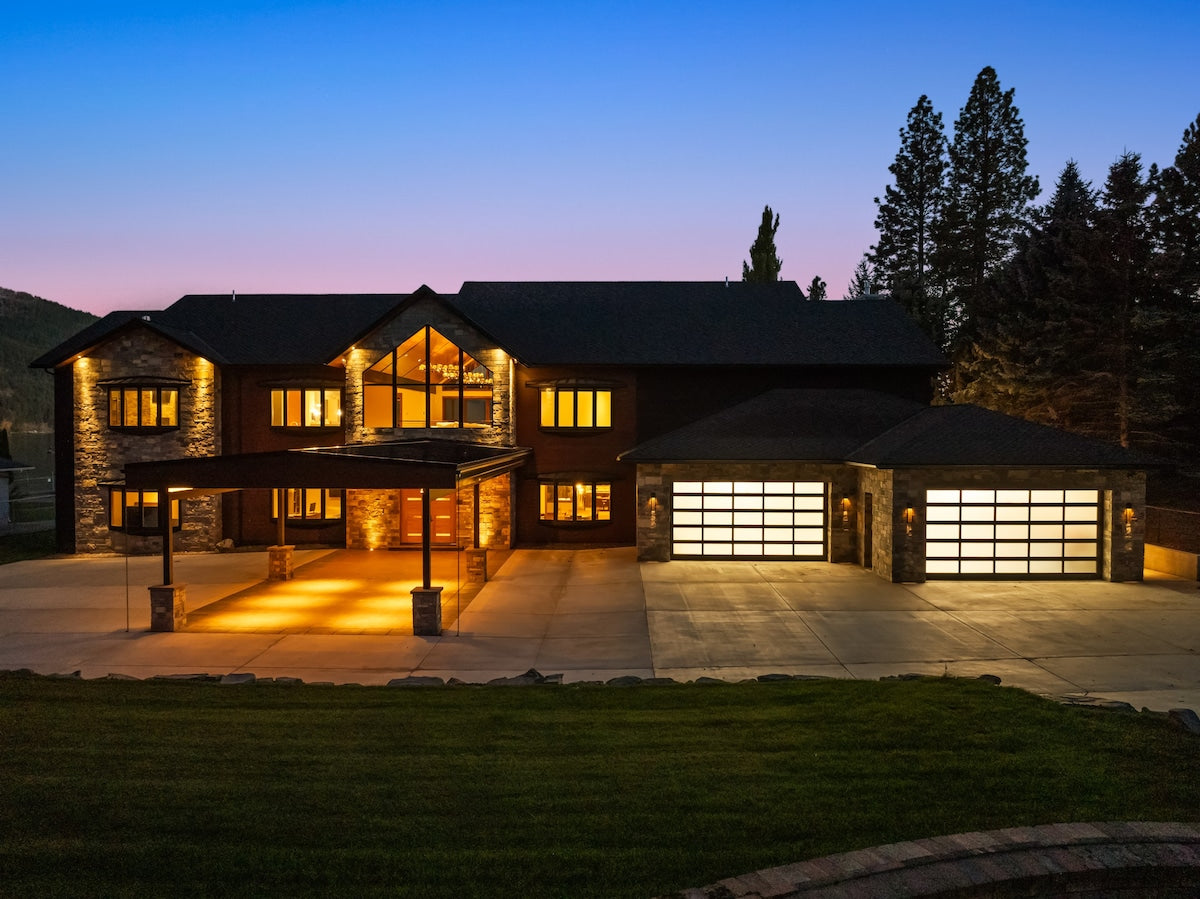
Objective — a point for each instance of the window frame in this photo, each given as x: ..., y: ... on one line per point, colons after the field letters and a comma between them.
x: 323, y: 495
x: 117, y: 407
x: 121, y: 522
x: 461, y: 394
x: 325, y: 390
x: 556, y: 487
x: 550, y: 399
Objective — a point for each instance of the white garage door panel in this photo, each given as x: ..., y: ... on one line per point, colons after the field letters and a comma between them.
x: 1043, y: 533
x: 748, y: 519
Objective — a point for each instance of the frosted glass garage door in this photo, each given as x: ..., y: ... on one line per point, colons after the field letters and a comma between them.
x: 997, y: 533
x: 748, y: 519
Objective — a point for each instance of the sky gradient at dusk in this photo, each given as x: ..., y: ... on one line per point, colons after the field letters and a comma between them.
x: 160, y: 148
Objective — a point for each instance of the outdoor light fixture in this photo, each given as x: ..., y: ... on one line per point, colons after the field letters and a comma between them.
x: 653, y: 500
x: 845, y: 511
x: 1129, y: 517
x: 909, y: 517
x: 653, y: 504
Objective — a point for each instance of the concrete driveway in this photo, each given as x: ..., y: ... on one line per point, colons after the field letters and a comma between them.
x: 597, y: 614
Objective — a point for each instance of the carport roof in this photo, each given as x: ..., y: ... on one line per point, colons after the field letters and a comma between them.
x: 407, y: 463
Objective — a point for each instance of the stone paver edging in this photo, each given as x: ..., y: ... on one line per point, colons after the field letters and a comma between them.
x: 1113, y: 859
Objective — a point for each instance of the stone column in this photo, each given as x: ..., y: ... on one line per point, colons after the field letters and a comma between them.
x: 168, y: 607
x: 427, y: 611
x: 476, y: 566
x: 280, y: 563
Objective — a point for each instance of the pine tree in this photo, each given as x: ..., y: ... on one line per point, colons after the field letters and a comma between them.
x: 1175, y: 220
x: 862, y: 282
x: 907, y: 216
x: 817, y: 290
x: 988, y: 196
x: 1034, y: 327
x: 764, y: 263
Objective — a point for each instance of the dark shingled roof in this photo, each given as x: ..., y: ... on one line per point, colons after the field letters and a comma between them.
x: 686, y: 323
x: 872, y: 428
x: 972, y: 435
x: 803, y: 424
x: 552, y: 323
x: 249, y: 329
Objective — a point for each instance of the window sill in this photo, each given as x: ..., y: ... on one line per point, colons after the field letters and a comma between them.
x: 574, y: 432
x: 143, y: 432
x: 575, y: 525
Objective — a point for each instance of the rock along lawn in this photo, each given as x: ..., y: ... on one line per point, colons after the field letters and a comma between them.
x: 111, y: 788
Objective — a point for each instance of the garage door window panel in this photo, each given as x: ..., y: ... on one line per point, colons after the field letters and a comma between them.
x: 749, y: 519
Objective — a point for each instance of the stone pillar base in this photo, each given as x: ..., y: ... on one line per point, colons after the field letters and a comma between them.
x: 168, y: 607
x: 427, y: 611
x: 280, y: 563
x: 476, y: 566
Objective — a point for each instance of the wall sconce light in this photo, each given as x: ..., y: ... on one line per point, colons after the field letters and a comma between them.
x: 1129, y: 517
x: 653, y: 500
x: 845, y: 511
x: 909, y: 516
x: 653, y: 504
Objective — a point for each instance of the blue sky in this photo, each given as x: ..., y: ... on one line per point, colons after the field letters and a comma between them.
x: 161, y: 148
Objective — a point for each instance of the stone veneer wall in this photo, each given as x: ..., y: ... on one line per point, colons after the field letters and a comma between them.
x: 654, y: 524
x: 101, y: 453
x: 422, y: 312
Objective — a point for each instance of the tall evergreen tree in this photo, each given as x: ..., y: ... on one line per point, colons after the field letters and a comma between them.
x: 1140, y: 392
x: 906, y: 218
x: 1034, y: 325
x: 862, y: 282
x: 764, y: 262
x: 1175, y: 219
x: 989, y: 195
x: 817, y: 290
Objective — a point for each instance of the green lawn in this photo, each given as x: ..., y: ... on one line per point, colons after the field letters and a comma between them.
x: 167, y: 788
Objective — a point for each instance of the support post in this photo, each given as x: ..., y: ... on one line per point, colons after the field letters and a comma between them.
x: 164, y: 524
x: 426, y: 539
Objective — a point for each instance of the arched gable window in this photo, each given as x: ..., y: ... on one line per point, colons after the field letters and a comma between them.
x: 427, y: 382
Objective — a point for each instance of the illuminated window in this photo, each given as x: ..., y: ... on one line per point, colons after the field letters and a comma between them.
x: 137, y: 511
x: 308, y: 407
x: 309, y: 504
x: 576, y: 408
x: 427, y: 382
x: 575, y: 501
x: 143, y: 408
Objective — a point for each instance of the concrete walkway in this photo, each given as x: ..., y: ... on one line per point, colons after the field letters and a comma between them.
x: 598, y: 614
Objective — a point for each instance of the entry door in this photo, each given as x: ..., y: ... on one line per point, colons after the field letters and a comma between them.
x: 441, y: 509
x: 868, y: 531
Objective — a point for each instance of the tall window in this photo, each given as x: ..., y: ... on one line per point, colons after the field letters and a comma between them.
x: 138, y: 511
x: 310, y: 407
x: 143, y: 407
x: 576, y: 408
x: 427, y: 382
x: 575, y: 501
x: 309, y: 504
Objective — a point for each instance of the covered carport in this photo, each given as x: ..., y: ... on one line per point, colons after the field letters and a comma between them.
x: 428, y: 465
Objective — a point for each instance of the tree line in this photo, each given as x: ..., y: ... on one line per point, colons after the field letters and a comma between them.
x: 1083, y: 312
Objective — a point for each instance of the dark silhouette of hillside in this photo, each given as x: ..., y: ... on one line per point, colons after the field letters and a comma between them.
x: 29, y: 326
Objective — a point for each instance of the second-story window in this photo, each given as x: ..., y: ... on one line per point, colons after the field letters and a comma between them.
x: 427, y: 382
x: 133, y: 407
x: 573, y: 407
x: 307, y: 407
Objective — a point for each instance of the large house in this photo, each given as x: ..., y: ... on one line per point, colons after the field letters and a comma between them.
x: 695, y: 420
